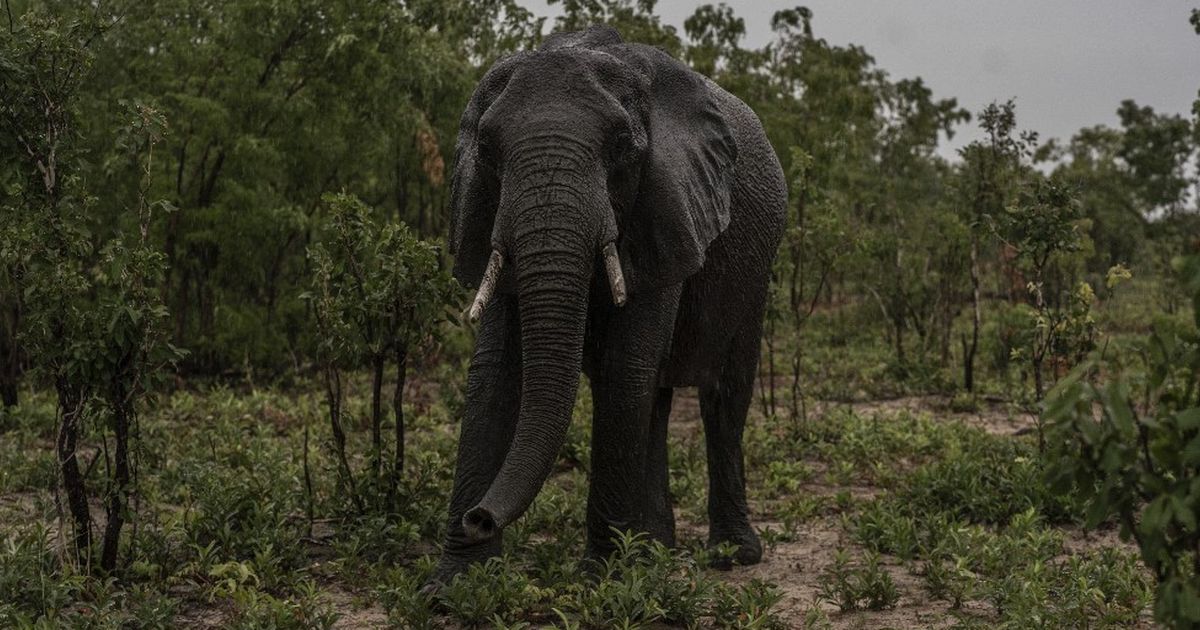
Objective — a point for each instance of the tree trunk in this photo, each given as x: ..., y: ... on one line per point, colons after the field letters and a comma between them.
x: 969, y: 349
x: 333, y: 394
x: 70, y: 410
x: 378, y: 362
x: 398, y: 410
x: 10, y: 354
x: 182, y: 305
x: 115, y: 499
x: 1038, y: 381
x: 8, y: 390
x: 771, y: 363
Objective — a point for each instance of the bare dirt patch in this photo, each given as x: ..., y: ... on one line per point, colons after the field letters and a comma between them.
x: 355, y: 611
x: 798, y: 569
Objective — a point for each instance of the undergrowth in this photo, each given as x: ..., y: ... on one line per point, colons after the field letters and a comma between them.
x: 229, y: 532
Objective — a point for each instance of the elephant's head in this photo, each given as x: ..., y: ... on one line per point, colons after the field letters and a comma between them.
x: 586, y: 156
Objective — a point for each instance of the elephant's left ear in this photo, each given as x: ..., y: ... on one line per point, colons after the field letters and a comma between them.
x: 684, y: 195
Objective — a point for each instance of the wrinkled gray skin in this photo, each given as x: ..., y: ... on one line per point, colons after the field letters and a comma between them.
x: 561, y: 151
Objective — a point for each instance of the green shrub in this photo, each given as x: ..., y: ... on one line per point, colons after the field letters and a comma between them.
x: 1131, y: 448
x: 494, y: 590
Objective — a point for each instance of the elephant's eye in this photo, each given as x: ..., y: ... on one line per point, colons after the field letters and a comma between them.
x: 620, y: 148
x: 485, y: 155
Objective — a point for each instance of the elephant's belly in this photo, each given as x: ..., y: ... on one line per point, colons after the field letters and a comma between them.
x: 695, y: 352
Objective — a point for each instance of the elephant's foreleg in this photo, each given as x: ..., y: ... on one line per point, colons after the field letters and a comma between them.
x: 490, y: 417
x: 723, y: 406
x: 628, y: 482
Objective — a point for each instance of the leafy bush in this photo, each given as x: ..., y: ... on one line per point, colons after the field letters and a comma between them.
x: 1131, y: 448
x: 377, y: 291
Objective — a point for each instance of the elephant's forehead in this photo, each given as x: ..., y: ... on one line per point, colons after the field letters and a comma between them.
x: 561, y: 88
x: 565, y: 72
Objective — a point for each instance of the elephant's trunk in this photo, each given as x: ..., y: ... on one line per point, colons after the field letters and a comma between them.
x: 554, y: 243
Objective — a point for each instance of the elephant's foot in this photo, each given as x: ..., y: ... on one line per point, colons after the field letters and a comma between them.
x: 749, y: 547
x: 454, y: 562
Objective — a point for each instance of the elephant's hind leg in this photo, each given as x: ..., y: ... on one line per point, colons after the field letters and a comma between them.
x: 659, y: 515
x: 723, y: 407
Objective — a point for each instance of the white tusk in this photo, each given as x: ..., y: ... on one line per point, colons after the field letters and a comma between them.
x: 486, y: 286
x: 616, y: 279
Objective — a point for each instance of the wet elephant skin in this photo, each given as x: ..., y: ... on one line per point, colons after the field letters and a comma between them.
x: 584, y: 143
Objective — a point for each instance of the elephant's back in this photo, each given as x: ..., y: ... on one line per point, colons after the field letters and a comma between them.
x: 726, y: 298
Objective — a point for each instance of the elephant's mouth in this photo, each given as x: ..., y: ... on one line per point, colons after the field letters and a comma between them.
x: 493, y: 274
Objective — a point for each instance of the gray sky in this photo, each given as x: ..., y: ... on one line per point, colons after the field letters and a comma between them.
x: 1069, y: 63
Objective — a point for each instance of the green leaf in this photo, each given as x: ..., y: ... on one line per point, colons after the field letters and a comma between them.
x: 1116, y: 406
x: 1096, y: 513
x: 1188, y: 419
x: 1189, y: 602
x: 1155, y: 516
x: 1185, y: 516
x: 1191, y: 452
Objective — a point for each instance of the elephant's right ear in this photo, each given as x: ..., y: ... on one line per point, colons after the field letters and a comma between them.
x: 474, y: 191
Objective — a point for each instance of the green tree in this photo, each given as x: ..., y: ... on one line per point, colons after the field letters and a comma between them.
x: 93, y: 318
x: 1157, y: 151
x: 1041, y: 228
x: 915, y: 256
x: 1090, y: 163
x: 989, y: 175
x: 713, y: 36
x: 819, y: 104
x: 635, y: 19
x: 271, y: 106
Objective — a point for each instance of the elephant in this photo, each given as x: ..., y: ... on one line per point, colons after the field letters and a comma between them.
x: 619, y: 214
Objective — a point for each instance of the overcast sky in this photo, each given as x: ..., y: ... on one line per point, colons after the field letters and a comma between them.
x: 1069, y: 63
